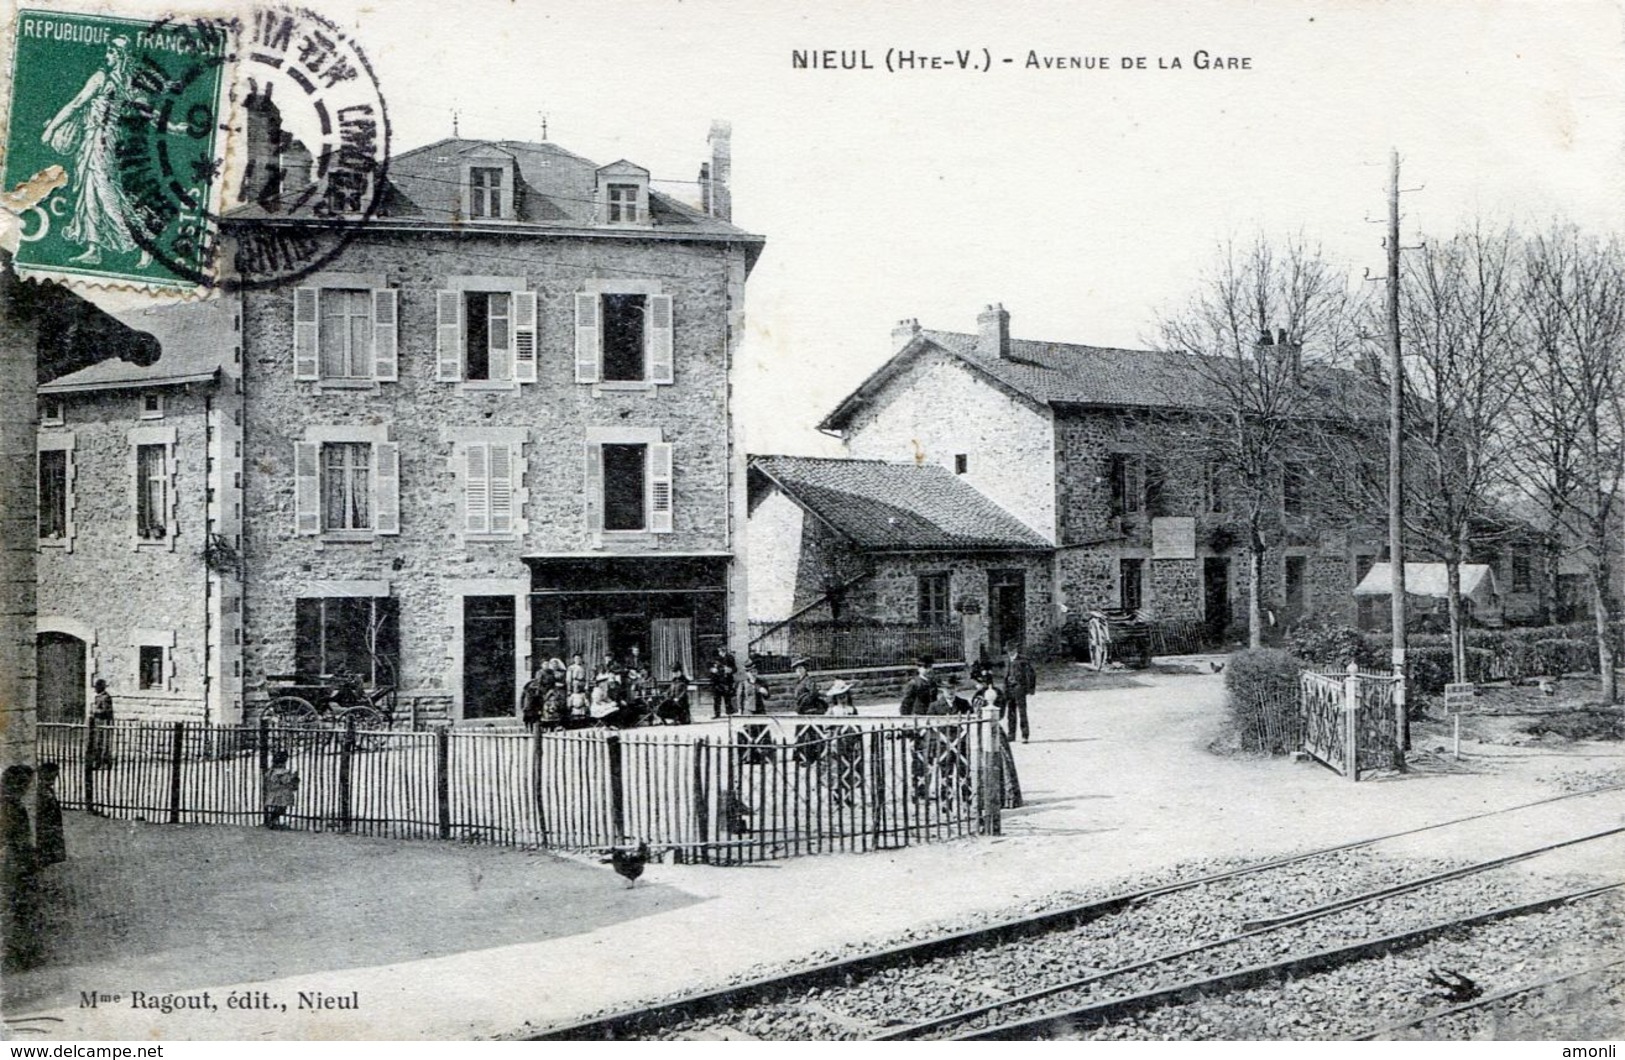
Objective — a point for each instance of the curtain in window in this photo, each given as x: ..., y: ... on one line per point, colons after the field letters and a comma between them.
x: 590, y: 637
x: 150, y: 475
x: 53, y: 493
x: 671, y: 644
x: 347, y: 486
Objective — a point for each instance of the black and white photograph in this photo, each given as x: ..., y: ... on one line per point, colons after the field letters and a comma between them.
x: 687, y: 520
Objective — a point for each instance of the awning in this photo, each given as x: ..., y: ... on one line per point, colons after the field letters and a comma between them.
x: 1429, y: 579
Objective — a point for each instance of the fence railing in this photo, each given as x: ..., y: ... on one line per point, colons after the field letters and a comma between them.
x: 745, y: 789
x: 1348, y: 720
x: 832, y: 646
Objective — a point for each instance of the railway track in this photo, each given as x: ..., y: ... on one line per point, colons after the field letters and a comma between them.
x: 1108, y: 960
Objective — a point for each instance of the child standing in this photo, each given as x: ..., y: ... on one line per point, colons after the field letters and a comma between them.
x: 281, y: 787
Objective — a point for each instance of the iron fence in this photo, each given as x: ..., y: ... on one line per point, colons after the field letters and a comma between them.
x: 743, y: 789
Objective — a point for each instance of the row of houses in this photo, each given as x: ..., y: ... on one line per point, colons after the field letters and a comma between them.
x: 500, y: 429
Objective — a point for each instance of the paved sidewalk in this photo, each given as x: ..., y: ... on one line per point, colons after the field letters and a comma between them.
x: 1118, y: 781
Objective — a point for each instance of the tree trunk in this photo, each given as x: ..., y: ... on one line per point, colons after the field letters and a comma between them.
x: 1605, y: 642
x: 1255, y: 602
x: 1458, y: 635
x: 1552, y: 554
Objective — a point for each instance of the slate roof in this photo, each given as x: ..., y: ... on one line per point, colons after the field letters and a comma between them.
x: 195, y: 339
x: 889, y: 507
x: 1063, y: 373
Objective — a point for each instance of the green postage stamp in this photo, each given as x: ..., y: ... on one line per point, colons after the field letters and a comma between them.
x: 131, y: 112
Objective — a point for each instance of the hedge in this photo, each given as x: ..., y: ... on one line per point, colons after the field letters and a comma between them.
x: 1492, y: 654
x: 1262, y: 688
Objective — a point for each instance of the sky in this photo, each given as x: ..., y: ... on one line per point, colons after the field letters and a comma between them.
x: 1085, y: 200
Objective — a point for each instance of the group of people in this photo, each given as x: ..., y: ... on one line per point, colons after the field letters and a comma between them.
x: 925, y: 695
x: 620, y: 693
x: 33, y: 844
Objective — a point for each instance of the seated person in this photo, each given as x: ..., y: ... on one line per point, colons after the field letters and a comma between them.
x: 673, y: 709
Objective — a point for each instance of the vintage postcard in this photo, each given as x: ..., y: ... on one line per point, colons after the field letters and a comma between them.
x: 829, y: 522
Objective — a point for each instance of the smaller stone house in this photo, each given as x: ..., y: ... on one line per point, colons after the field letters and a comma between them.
x: 140, y: 526
x: 901, y: 547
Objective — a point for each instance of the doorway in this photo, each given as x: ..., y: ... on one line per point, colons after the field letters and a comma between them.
x: 60, y: 658
x: 1006, y: 609
x: 1131, y: 584
x: 488, y: 657
x: 1216, y: 596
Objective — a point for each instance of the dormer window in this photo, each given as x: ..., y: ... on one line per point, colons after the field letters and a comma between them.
x: 623, y: 194
x: 489, y: 182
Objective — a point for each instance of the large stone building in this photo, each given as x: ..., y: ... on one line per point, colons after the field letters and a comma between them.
x: 1092, y: 448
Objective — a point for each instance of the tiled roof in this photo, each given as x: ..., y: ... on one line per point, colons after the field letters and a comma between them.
x: 195, y: 338
x: 897, y: 507
x: 1062, y: 373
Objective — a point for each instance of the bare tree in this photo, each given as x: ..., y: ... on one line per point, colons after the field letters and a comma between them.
x: 1262, y: 320
x: 1570, y: 408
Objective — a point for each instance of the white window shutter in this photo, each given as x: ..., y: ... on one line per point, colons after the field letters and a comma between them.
x: 595, y: 488
x: 386, y: 488
x: 524, y: 336
x: 385, y: 335
x: 448, y: 335
x: 660, y: 498
x: 660, y: 339
x: 476, y: 488
x: 306, y: 334
x: 501, y: 485
x: 587, y: 338
x: 307, y: 488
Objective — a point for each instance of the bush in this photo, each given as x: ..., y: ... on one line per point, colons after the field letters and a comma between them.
x: 1262, y: 696
x: 1329, y: 646
x: 1565, y: 656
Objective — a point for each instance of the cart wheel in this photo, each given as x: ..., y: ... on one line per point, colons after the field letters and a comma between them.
x: 291, y: 712
x: 371, y: 725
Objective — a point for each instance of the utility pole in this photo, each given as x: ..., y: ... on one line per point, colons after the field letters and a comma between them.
x: 1396, y: 478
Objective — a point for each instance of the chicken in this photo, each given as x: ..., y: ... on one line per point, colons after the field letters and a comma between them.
x: 1216, y: 667
x: 1453, y: 985
x: 629, y: 863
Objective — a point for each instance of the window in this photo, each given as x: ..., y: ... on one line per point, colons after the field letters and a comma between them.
x: 934, y: 609
x: 1297, y: 587
x: 1156, y: 498
x: 1131, y: 584
x: 486, y: 336
x: 150, y: 666
x: 1294, y: 488
x: 1215, y: 488
x: 629, y: 486
x: 348, y: 634
x: 623, y: 203
x: 624, y: 337
x: 1127, y: 482
x: 961, y: 463
x: 485, y: 192
x: 490, y: 487
x: 152, y: 406
x: 53, y: 494
x: 346, y: 335
x: 151, y: 492
x: 346, y: 484
x: 52, y: 412
x: 1522, y: 571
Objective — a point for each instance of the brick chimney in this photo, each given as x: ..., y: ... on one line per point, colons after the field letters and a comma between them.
x: 993, y: 332
x: 904, y: 332
x: 718, y: 198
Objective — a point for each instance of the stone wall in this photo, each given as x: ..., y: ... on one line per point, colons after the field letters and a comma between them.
x: 423, y: 416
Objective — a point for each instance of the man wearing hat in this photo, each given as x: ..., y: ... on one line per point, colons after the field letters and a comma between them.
x: 674, y: 708
x: 752, y: 692
x: 804, y: 692
x: 921, y: 690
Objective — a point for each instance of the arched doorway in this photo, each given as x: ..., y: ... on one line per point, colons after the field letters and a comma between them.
x: 61, y: 661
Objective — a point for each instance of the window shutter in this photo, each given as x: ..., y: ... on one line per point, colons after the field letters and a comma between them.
x: 385, y: 335
x: 586, y: 338
x: 501, y: 484
x: 524, y: 336
x: 307, y: 487
x: 448, y: 332
x: 306, y: 334
x: 595, y: 488
x: 476, y: 488
x: 660, y: 506
x: 386, y: 488
x: 660, y: 339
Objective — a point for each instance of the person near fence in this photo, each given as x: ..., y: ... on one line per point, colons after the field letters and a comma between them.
x: 674, y: 708
x: 101, y: 712
x: 752, y: 692
x: 21, y: 871
x: 50, y: 843
x: 530, y: 698
x: 984, y: 695
x: 1020, y: 681
x: 921, y: 690
x: 805, y: 690
x: 724, y: 677
x: 280, y: 787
